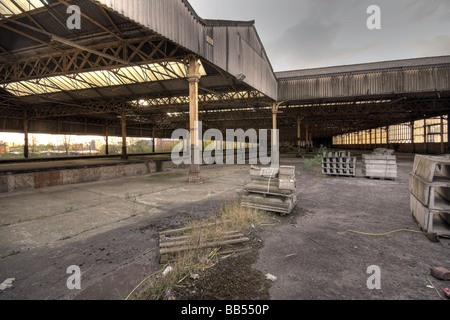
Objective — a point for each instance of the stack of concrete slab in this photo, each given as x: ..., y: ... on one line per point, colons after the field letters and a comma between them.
x: 381, y: 164
x: 339, y: 163
x: 271, y: 189
x: 429, y: 186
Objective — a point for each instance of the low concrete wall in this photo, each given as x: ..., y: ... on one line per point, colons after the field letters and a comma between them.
x: 25, y: 181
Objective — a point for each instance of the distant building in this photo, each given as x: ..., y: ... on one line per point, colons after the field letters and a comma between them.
x: 97, y: 144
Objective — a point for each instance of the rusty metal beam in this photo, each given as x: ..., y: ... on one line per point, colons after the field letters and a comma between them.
x: 83, y: 59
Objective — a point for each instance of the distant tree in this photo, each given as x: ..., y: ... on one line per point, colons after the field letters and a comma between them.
x: 50, y: 146
x: 33, y: 143
x: 64, y: 142
x: 2, y: 147
x: 114, y: 145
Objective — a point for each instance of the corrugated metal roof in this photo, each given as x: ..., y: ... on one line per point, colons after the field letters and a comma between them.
x: 365, y: 67
x: 376, y: 82
x: 235, y: 47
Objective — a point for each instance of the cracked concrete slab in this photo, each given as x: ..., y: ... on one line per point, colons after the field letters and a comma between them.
x: 98, y: 226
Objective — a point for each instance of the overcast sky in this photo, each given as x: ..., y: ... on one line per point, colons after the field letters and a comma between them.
x: 299, y: 34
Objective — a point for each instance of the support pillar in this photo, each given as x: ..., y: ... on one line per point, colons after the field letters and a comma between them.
x: 307, y: 138
x: 193, y: 79
x: 425, y: 135
x: 387, y: 137
x: 376, y: 141
x: 413, y: 144
x: 274, y: 144
x: 275, y: 147
x: 442, y: 135
x: 107, y: 138
x: 124, y: 155
x: 299, y: 135
x: 448, y: 132
x: 153, y: 139
x: 25, y: 131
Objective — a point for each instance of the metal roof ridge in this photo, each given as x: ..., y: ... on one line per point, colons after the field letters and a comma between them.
x: 192, y: 10
x: 227, y: 23
x: 218, y: 22
x: 361, y: 67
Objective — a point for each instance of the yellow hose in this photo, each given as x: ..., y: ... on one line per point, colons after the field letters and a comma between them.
x: 379, y: 234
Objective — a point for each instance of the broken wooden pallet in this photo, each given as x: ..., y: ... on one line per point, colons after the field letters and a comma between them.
x: 283, y: 205
x: 173, y: 242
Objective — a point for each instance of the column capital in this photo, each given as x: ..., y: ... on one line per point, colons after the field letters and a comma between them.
x: 193, y: 77
x: 193, y: 74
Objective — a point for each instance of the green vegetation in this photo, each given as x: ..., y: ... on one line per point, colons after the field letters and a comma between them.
x: 68, y: 208
x: 310, y: 164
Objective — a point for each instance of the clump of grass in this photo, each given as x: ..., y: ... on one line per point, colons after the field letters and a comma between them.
x: 232, y: 217
x: 310, y: 164
x: 242, y: 219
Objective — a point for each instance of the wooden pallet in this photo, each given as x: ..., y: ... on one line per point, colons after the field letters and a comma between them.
x: 173, y: 242
x: 283, y: 205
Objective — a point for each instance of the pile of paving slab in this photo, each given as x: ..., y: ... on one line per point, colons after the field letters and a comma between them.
x: 271, y: 189
x: 381, y: 164
x: 429, y: 186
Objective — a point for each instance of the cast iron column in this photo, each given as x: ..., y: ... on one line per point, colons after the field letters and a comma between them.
x: 194, y: 78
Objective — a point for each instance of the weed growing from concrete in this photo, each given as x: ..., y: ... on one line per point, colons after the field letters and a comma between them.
x: 232, y: 217
x: 68, y: 208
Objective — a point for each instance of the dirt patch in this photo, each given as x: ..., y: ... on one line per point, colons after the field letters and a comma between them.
x: 235, y: 278
x: 232, y: 279
x: 225, y: 269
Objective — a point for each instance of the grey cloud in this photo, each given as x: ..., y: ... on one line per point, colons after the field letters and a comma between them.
x: 315, y: 33
x: 437, y: 46
x: 423, y: 10
x: 314, y: 41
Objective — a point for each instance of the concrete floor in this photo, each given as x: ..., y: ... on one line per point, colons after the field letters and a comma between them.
x: 110, y: 229
x: 314, y: 260
x: 100, y: 226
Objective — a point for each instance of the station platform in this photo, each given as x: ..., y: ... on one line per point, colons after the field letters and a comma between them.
x: 25, y: 175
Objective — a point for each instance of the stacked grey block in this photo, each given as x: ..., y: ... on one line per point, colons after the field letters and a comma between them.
x: 381, y: 164
x: 271, y: 189
x: 339, y: 163
x: 429, y: 186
